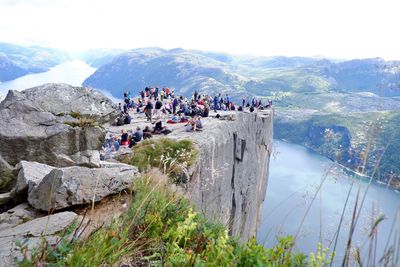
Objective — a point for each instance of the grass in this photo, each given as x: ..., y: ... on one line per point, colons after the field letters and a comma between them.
x: 171, y: 156
x: 82, y: 123
x: 75, y: 114
x: 161, y: 229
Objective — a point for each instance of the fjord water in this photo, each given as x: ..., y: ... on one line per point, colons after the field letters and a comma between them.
x: 72, y: 73
x: 295, y: 174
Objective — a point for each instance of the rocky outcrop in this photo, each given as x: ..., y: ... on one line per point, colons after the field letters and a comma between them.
x: 70, y: 186
x: 230, y: 178
x: 53, y: 124
x: 32, y: 234
x: 29, y: 176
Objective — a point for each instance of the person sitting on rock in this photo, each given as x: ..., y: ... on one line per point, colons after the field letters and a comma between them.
x: 174, y: 119
x: 147, y: 133
x: 132, y: 141
x: 137, y: 136
x: 124, y: 138
x: 120, y: 120
x: 192, y: 124
x: 127, y: 119
x: 224, y: 107
x: 157, y: 128
x: 189, y: 126
x: 198, y: 123
x: 182, y: 118
x: 205, y: 111
x: 116, y: 144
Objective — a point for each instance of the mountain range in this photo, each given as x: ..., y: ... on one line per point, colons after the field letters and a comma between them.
x: 207, y: 72
x: 339, y: 108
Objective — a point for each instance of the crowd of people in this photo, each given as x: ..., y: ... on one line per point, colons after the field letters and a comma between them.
x: 163, y: 106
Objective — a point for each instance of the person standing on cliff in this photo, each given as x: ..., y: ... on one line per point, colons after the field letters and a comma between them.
x: 228, y: 100
x: 148, y: 110
x: 174, y: 105
x: 215, y: 103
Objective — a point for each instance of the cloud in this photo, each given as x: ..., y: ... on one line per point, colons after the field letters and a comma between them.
x: 43, y: 3
x: 341, y: 28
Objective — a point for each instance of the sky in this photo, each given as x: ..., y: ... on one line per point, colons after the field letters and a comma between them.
x: 341, y: 29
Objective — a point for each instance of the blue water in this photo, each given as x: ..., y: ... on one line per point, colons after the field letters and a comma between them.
x: 295, y: 175
x: 72, y: 73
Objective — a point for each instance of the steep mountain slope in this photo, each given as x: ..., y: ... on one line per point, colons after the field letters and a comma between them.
x: 16, y: 61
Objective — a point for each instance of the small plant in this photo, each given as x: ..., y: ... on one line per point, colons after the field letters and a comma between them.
x: 172, y: 157
x: 75, y: 114
x: 82, y: 123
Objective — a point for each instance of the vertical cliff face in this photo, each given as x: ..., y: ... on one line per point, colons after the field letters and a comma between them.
x: 230, y: 178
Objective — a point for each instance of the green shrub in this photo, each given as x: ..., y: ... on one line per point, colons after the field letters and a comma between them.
x: 172, y: 157
x: 161, y: 229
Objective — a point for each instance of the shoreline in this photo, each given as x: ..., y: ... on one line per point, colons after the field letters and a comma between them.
x: 363, y: 177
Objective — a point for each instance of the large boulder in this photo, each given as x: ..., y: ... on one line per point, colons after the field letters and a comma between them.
x: 29, y: 176
x: 65, y: 187
x: 55, y: 124
x: 32, y: 234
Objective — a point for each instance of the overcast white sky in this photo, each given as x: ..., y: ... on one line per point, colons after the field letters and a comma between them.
x: 332, y: 28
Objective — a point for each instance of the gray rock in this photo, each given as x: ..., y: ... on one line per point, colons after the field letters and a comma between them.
x: 7, y: 175
x: 70, y: 186
x: 89, y: 158
x: 47, y: 225
x: 32, y: 233
x: 35, y: 125
x: 29, y: 175
x: 17, y: 215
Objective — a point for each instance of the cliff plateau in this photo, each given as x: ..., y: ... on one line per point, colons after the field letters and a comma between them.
x: 42, y: 127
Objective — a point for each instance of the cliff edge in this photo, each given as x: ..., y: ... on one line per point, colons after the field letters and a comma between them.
x: 229, y: 180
